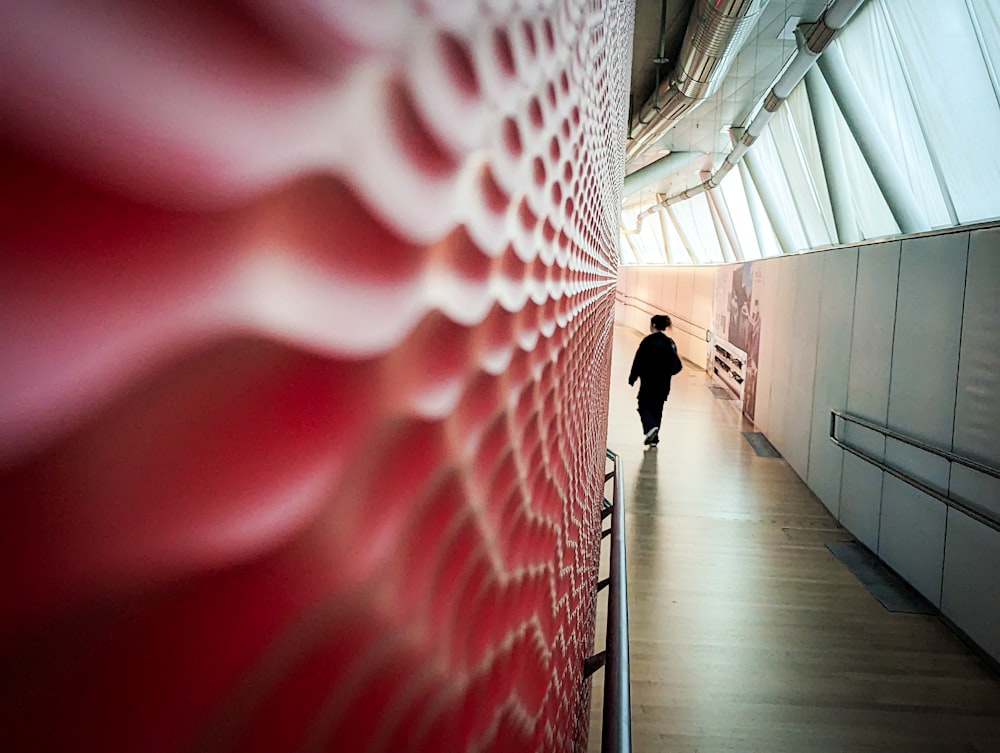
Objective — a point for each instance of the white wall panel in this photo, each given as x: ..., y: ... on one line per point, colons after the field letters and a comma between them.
x: 685, y: 293
x: 977, y: 409
x: 971, y: 592
x: 861, y: 499
x: 668, y: 290
x: 928, y: 334
x: 704, y: 296
x: 802, y: 366
x: 833, y: 359
x: 911, y: 536
x: 872, y: 335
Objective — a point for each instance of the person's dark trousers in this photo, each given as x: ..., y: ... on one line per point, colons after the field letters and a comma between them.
x: 650, y: 413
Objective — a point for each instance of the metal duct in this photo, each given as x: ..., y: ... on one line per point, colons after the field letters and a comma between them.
x: 715, y: 34
x: 652, y: 172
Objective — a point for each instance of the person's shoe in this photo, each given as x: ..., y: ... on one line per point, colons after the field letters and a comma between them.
x: 652, y: 436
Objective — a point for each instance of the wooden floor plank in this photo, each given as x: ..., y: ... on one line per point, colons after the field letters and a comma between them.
x: 747, y: 634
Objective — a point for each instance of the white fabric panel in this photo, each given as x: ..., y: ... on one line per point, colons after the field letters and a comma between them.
x: 911, y: 536
x: 677, y: 250
x: 802, y: 373
x: 871, y: 57
x: 650, y: 242
x: 924, y: 375
x: 972, y: 581
x: 767, y: 242
x: 986, y: 18
x: 875, y: 219
x: 811, y: 197
x: 696, y: 220
x: 977, y: 410
x: 874, y: 323
x: 833, y: 359
x: 732, y: 192
x: 769, y: 156
x: 861, y: 500
x: 964, y: 147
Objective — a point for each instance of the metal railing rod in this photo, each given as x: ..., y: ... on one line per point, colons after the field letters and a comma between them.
x: 913, y: 442
x: 652, y: 308
x: 986, y: 517
x: 616, y: 731
x: 973, y: 512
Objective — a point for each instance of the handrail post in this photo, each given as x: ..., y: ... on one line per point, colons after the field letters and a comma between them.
x: 616, y: 730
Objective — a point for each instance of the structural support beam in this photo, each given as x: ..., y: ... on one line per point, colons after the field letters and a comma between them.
x: 667, y: 250
x: 727, y: 250
x: 824, y: 115
x: 636, y: 257
x: 654, y: 171
x: 908, y: 213
x: 695, y: 258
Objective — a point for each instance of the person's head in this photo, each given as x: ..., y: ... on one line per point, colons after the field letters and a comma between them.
x: 659, y: 323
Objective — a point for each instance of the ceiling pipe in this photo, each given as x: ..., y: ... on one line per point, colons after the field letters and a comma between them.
x: 715, y: 34
x: 663, y: 167
x: 832, y: 20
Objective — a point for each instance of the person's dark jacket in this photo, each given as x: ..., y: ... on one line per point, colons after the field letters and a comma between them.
x: 655, y: 361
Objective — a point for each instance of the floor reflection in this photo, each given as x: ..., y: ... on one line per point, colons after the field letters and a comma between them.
x: 745, y: 632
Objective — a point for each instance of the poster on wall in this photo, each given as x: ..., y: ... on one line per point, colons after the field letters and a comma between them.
x: 736, y: 332
x: 739, y: 306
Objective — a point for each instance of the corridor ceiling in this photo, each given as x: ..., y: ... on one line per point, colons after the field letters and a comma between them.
x: 706, y: 127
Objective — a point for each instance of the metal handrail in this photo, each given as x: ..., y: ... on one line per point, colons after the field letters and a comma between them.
x: 616, y: 725
x: 652, y: 308
x: 984, y: 516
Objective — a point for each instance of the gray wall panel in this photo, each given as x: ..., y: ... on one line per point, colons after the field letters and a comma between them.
x: 977, y: 489
x: 926, y: 467
x: 971, y: 594
x: 833, y: 362
x: 768, y: 289
x: 911, y: 536
x: 977, y: 412
x: 782, y: 351
x: 802, y: 369
x: 865, y: 439
x: 872, y: 334
x: 861, y: 499
x: 928, y: 333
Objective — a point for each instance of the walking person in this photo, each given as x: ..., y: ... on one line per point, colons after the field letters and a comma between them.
x: 655, y: 362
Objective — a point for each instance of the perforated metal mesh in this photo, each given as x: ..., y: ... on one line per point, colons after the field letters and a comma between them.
x: 306, y: 339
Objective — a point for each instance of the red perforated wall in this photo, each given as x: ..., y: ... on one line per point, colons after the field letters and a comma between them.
x: 306, y: 313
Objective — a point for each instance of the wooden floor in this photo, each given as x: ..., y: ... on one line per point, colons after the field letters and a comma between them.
x: 746, y: 633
